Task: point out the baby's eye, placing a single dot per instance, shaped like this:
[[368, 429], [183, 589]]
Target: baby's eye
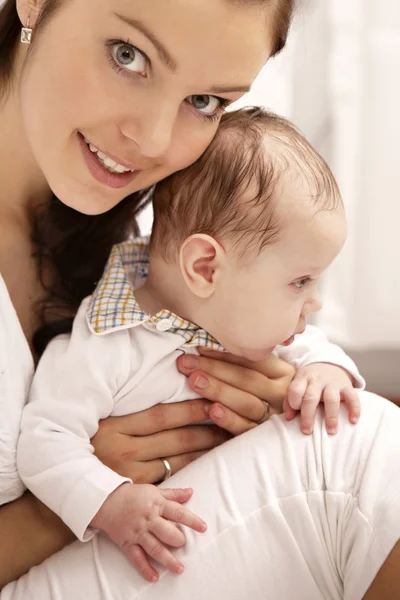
[[301, 283], [129, 57]]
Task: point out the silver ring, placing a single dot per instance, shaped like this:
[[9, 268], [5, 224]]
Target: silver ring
[[267, 413], [168, 470]]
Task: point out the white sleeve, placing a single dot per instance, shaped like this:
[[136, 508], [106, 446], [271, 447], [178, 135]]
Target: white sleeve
[[313, 346], [74, 387], [16, 372]]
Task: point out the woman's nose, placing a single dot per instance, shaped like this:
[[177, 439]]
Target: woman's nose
[[152, 130]]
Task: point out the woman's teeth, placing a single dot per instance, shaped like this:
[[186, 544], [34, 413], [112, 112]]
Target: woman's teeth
[[108, 162]]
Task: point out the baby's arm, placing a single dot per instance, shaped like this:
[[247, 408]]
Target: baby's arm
[[72, 390], [75, 386], [324, 373]]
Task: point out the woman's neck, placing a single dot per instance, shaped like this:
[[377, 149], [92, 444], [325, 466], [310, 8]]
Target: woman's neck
[[22, 184]]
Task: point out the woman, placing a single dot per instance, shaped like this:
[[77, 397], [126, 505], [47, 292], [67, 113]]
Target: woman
[[144, 94]]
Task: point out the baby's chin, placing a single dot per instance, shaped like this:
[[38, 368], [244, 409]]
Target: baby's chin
[[256, 355]]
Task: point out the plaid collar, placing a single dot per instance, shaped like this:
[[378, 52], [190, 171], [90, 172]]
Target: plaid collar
[[113, 305]]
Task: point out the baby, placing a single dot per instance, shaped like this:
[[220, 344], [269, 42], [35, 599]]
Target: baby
[[239, 243]]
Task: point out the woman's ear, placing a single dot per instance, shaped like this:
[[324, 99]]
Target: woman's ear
[[202, 260], [28, 11]]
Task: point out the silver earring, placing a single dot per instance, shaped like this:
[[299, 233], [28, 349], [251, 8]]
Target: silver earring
[[26, 34]]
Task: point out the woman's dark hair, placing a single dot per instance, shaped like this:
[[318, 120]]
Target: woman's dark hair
[[71, 246]]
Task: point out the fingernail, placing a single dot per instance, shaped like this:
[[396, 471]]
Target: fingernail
[[207, 408], [180, 569], [354, 420], [331, 430], [218, 412], [190, 362], [201, 382], [204, 527], [154, 578], [306, 430]]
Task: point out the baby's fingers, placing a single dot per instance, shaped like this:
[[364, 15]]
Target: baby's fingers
[[311, 399], [288, 411], [296, 392], [179, 514], [176, 494], [168, 533], [352, 399], [159, 552], [331, 399], [139, 559]]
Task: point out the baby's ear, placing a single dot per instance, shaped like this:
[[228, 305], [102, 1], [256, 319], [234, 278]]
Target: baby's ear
[[202, 260]]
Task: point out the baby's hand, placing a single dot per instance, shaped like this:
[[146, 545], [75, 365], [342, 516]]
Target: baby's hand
[[140, 519], [321, 382]]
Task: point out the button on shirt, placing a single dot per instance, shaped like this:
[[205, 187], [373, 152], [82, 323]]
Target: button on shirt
[[117, 360]]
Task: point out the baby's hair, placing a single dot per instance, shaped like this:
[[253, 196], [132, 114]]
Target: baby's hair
[[231, 191]]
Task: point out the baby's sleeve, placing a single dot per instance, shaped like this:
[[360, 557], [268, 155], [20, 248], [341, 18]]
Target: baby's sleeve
[[313, 346], [74, 387]]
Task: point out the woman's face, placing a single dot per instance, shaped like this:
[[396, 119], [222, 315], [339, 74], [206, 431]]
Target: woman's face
[[143, 82]]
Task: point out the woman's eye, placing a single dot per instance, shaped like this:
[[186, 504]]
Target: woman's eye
[[129, 57], [206, 104]]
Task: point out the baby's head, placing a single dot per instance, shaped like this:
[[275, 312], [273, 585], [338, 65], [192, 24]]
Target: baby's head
[[252, 224]]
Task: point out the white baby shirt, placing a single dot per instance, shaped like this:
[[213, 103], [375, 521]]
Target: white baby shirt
[[116, 361]]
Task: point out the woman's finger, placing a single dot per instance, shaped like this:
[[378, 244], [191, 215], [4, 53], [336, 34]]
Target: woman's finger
[[159, 552], [168, 533], [185, 439], [229, 420], [245, 403], [159, 418], [153, 471], [140, 560], [211, 373], [272, 366], [352, 399]]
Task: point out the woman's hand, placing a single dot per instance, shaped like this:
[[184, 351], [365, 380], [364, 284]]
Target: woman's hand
[[134, 445], [237, 388]]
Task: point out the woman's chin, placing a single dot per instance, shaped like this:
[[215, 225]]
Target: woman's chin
[[85, 202]]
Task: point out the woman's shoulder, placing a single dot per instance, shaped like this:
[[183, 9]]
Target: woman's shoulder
[[16, 372]]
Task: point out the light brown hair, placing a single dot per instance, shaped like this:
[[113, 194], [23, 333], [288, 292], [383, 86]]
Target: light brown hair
[[231, 191]]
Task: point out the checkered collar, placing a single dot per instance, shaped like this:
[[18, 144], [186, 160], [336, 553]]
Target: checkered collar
[[113, 305]]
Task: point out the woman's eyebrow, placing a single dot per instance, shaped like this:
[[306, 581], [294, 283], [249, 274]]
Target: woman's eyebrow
[[167, 59], [229, 88], [163, 53]]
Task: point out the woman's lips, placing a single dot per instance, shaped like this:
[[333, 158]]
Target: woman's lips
[[100, 172]]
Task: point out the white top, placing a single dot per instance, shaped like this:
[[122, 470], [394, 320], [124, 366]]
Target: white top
[[16, 371], [289, 516], [127, 367]]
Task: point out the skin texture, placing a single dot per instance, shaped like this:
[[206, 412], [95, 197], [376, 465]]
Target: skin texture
[[63, 84], [251, 304]]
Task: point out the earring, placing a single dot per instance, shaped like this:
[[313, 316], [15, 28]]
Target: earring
[[26, 34]]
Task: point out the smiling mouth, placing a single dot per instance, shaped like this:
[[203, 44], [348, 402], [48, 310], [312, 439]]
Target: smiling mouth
[[107, 169], [107, 161]]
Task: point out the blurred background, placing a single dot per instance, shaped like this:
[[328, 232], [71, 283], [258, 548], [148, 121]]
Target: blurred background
[[339, 81]]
